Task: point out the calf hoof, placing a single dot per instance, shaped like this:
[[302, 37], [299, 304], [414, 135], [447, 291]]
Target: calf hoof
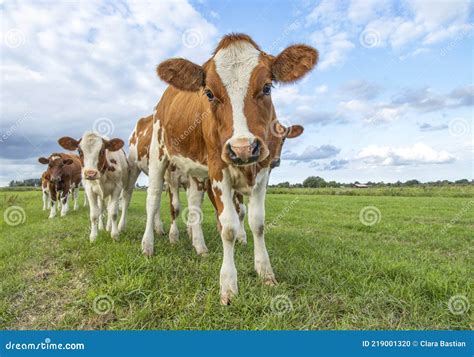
[[202, 251], [147, 249], [63, 214], [226, 297], [174, 236], [51, 216], [115, 237], [242, 237], [270, 281], [92, 239], [160, 230]]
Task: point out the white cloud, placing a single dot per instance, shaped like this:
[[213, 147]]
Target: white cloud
[[74, 62], [314, 153], [418, 154], [333, 45]]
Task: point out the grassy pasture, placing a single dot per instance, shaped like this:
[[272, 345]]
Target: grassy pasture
[[334, 272]]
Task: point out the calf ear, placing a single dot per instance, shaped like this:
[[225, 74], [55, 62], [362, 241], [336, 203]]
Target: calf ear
[[294, 131], [68, 143], [294, 62], [67, 161], [43, 160], [182, 74], [114, 144]]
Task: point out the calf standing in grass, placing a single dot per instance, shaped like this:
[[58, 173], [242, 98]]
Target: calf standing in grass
[[105, 172], [45, 190], [64, 172], [231, 93]]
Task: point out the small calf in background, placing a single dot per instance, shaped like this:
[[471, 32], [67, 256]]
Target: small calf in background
[[64, 172], [45, 190], [105, 173]]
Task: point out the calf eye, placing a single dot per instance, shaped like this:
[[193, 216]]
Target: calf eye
[[267, 89], [209, 95]]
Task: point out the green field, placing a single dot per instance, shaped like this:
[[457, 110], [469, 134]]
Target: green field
[[411, 270]]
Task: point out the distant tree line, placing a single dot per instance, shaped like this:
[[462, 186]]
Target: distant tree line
[[316, 181], [27, 182]]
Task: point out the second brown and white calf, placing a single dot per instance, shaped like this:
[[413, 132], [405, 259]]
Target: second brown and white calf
[[105, 173]]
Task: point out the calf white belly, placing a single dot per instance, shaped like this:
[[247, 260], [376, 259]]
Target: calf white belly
[[190, 167]]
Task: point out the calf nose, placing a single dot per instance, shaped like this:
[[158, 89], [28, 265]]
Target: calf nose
[[55, 179], [90, 174], [244, 151]]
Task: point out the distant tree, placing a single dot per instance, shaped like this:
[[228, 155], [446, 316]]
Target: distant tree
[[411, 183], [314, 181], [462, 182], [285, 184]]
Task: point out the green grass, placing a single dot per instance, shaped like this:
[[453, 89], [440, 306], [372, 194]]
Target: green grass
[[338, 273]]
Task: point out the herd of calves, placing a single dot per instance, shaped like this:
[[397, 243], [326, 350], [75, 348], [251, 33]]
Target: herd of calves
[[214, 130]]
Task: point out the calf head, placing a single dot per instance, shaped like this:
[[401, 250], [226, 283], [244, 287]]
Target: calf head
[[56, 166], [237, 82], [278, 134], [92, 149]]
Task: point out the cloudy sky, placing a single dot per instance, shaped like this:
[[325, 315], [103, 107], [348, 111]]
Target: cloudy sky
[[391, 99]]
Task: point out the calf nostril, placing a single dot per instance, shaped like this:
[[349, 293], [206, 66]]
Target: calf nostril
[[256, 148]]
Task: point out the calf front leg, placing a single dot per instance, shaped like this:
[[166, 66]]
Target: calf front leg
[[195, 194], [112, 212], [257, 225], [95, 213], [45, 199], [241, 210], [65, 201], [54, 197], [75, 194], [156, 173], [229, 219], [173, 190]]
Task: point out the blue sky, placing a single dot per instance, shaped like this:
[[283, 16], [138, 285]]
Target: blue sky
[[391, 98]]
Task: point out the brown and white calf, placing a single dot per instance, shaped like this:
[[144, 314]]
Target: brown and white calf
[[105, 173], [139, 156], [64, 172], [45, 190], [213, 122]]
